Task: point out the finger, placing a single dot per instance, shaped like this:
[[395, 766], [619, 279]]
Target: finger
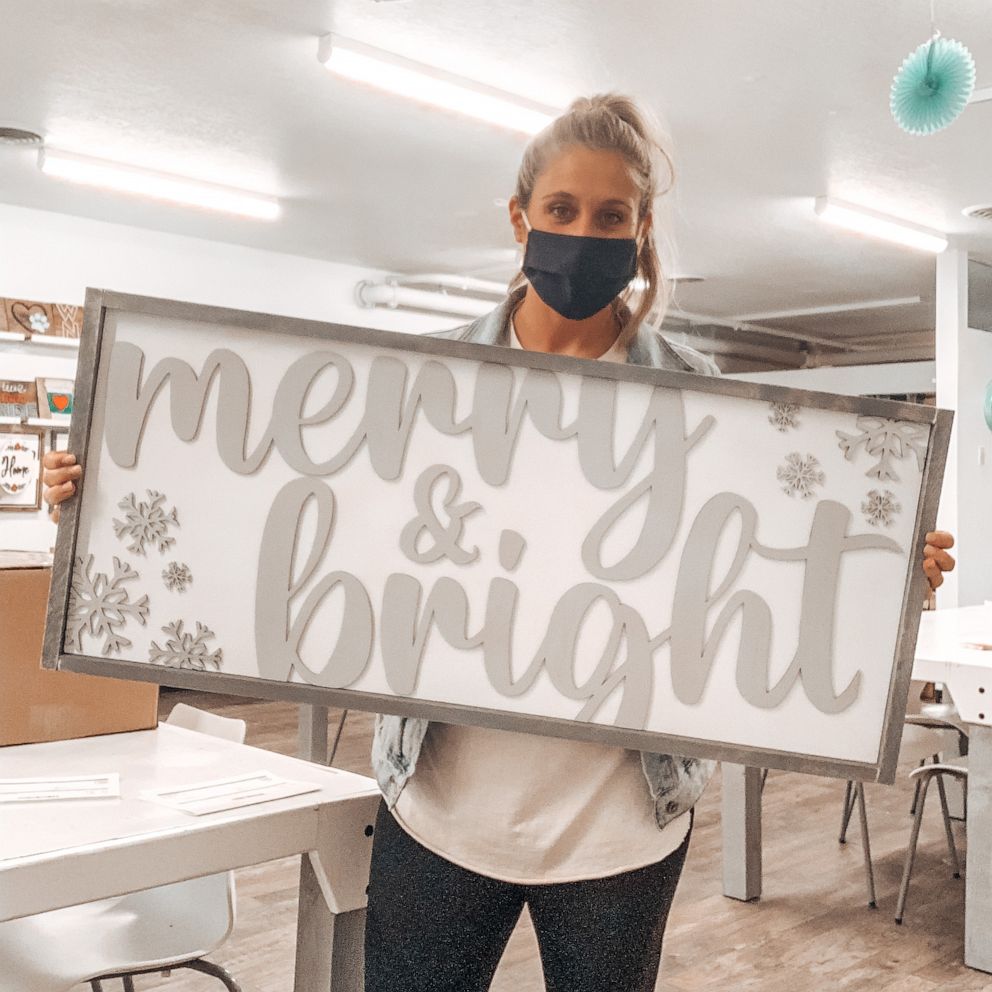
[[940, 539], [942, 558], [54, 513], [58, 476], [935, 577], [58, 494], [933, 573], [58, 459]]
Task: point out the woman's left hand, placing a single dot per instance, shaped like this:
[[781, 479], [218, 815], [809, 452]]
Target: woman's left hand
[[936, 560]]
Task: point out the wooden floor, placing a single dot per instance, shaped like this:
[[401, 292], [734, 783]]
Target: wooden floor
[[812, 929]]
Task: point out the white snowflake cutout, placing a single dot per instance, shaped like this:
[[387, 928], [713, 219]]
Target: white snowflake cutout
[[800, 473], [888, 441], [146, 523], [782, 416], [880, 508], [185, 650], [102, 607], [177, 576]]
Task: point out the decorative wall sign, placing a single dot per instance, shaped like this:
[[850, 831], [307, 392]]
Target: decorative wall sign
[[28, 316], [18, 398], [21, 450], [68, 321], [475, 534], [61, 320], [55, 399]]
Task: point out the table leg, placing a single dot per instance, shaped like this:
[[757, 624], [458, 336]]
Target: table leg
[[741, 825], [330, 951], [978, 875], [312, 743]]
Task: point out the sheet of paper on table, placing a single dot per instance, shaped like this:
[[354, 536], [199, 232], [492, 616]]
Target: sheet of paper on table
[[36, 790], [229, 793]]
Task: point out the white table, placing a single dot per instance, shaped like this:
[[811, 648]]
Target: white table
[[967, 674], [57, 855]]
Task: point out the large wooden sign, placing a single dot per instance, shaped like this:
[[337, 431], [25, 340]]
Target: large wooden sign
[[288, 509]]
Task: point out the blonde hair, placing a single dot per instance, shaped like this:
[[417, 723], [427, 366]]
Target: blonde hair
[[610, 122]]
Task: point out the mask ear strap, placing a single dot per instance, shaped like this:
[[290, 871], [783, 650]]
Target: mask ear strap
[[523, 213]]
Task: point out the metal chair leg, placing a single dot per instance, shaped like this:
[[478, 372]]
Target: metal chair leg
[[911, 850], [859, 791], [916, 791], [337, 737], [845, 819], [951, 846], [764, 778], [215, 971], [96, 986], [128, 982]]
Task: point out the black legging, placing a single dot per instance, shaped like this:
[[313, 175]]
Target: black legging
[[435, 927]]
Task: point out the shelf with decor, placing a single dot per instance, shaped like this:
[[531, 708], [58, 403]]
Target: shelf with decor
[[49, 425], [50, 341]]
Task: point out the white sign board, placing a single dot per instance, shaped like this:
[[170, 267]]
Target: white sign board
[[475, 534]]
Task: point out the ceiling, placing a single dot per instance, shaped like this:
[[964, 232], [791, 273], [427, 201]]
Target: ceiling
[[769, 104]]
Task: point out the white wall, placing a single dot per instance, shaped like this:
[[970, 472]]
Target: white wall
[[973, 444], [53, 258], [964, 368]]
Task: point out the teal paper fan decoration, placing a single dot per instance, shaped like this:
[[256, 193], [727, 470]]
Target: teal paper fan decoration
[[932, 86]]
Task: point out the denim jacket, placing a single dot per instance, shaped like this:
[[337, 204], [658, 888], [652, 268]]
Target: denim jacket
[[675, 783]]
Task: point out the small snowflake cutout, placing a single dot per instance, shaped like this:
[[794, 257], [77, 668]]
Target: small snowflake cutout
[[186, 650], [146, 523], [782, 416], [177, 576], [38, 322], [101, 606], [880, 508], [800, 473]]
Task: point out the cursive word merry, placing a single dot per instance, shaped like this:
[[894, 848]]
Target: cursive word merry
[[500, 404]]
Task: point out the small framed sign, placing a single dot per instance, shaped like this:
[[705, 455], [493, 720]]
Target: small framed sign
[[55, 399], [18, 398], [408, 524], [21, 451]]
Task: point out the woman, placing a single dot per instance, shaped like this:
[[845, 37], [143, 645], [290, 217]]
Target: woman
[[591, 838]]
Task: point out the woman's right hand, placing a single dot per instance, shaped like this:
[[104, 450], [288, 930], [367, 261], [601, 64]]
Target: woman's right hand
[[60, 478]]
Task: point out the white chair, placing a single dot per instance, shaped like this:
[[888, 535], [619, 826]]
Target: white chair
[[924, 775], [924, 738], [160, 929]]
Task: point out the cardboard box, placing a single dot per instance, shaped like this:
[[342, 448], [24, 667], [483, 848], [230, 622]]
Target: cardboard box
[[38, 705]]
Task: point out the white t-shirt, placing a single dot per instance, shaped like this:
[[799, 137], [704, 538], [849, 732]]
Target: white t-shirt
[[530, 809]]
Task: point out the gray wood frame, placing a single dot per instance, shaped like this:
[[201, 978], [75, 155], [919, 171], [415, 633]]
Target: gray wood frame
[[100, 302]]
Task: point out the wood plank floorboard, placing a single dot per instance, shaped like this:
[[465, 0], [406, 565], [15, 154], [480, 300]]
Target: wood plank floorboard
[[812, 930]]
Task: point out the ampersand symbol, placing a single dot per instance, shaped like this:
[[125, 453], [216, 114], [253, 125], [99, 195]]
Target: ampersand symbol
[[446, 536]]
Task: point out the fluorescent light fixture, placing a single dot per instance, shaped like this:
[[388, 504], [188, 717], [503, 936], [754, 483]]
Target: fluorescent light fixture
[[425, 84], [878, 225], [388, 294], [175, 189]]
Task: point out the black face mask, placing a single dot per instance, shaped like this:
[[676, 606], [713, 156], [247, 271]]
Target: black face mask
[[578, 275]]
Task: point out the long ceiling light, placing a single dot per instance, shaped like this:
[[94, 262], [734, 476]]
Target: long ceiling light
[[426, 84], [159, 186], [370, 294], [878, 225]]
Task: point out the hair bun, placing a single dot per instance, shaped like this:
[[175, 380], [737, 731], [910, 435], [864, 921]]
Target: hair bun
[[623, 108]]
